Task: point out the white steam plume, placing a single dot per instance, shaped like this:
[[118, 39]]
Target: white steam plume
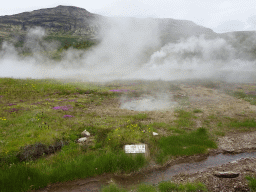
[[125, 52]]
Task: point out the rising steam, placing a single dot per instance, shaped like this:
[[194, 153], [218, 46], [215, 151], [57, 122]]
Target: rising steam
[[131, 49]]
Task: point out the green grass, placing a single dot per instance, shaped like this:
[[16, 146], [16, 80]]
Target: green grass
[[113, 188], [64, 168], [246, 123], [170, 186], [140, 116], [197, 111], [252, 183], [146, 188], [168, 127], [247, 97], [191, 143], [34, 112], [165, 186], [220, 133], [185, 119]]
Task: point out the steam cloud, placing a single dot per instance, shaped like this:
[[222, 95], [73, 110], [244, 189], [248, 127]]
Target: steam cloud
[[131, 49], [125, 52]]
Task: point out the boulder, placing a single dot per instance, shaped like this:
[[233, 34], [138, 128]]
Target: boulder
[[228, 174], [85, 133]]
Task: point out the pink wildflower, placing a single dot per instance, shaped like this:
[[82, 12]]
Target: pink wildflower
[[65, 116]]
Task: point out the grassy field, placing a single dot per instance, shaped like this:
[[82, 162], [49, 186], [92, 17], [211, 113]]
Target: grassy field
[[41, 120]]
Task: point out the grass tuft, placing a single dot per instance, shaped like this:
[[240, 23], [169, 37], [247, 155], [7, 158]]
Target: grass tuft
[[252, 183], [167, 186], [184, 119], [247, 123], [195, 142], [112, 188], [197, 111]]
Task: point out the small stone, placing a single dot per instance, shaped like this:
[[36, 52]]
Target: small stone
[[82, 140], [111, 181], [154, 133], [85, 133]]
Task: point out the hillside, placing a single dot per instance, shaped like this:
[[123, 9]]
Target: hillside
[[70, 20], [59, 19]]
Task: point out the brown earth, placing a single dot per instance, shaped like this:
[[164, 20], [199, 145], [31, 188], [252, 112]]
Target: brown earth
[[212, 101]]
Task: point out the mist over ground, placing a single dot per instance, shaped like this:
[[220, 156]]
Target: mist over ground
[[131, 49]]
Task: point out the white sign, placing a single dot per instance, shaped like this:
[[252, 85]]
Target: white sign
[[135, 148]]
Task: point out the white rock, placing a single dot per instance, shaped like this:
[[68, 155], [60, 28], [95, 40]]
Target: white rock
[[82, 140], [154, 133], [85, 133]]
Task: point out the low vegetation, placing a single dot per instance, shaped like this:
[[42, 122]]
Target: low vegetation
[[195, 142], [41, 121], [250, 96], [165, 186], [252, 183]]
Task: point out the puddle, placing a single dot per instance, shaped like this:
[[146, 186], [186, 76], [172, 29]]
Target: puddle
[[167, 173]]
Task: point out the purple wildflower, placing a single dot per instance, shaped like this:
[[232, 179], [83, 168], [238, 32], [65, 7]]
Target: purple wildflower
[[64, 108], [65, 116], [10, 104], [14, 110], [1, 96]]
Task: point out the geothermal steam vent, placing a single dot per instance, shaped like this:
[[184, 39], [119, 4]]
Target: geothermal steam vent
[[146, 102]]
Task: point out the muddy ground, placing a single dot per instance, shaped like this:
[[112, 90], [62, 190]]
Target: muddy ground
[[212, 99]]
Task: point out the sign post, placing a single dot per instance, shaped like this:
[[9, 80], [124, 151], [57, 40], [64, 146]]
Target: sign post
[[137, 148]]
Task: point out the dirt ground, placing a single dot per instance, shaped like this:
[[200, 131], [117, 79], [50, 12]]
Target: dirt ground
[[212, 101]]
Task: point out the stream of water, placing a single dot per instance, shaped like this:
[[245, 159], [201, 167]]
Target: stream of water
[[167, 173]]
